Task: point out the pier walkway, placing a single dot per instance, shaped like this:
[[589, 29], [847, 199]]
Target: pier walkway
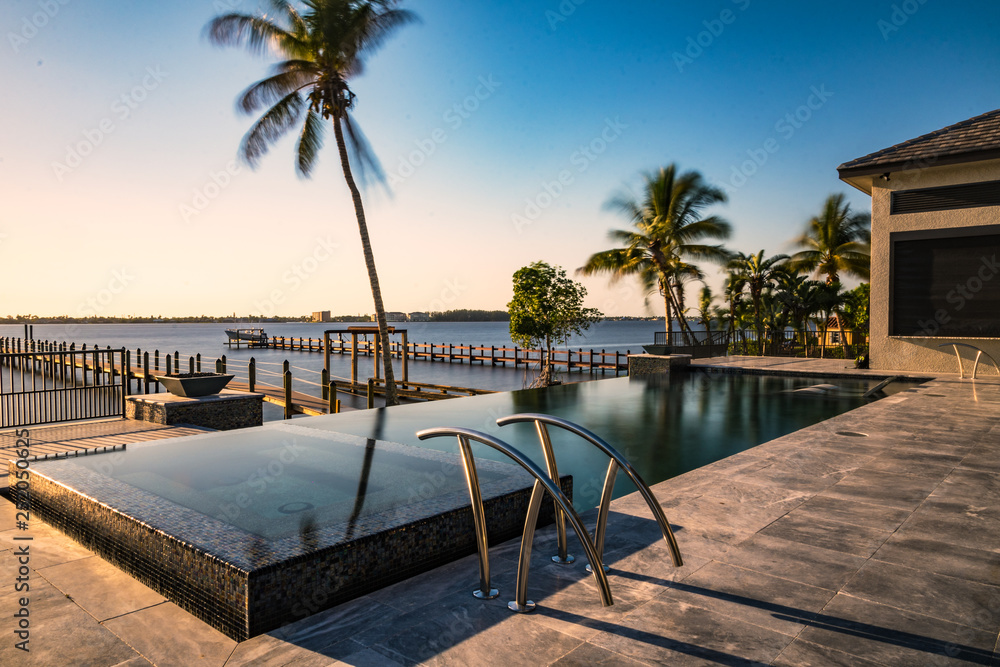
[[867, 539]]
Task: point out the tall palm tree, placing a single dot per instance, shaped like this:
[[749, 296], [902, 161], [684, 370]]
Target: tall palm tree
[[754, 274], [321, 48], [836, 241], [668, 229]]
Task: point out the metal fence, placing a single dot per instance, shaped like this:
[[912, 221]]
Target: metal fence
[[830, 344], [42, 387]]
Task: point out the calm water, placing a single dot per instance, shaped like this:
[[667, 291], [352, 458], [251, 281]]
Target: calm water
[[209, 340], [663, 426]]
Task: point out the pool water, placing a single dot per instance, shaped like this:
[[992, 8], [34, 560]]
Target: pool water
[[664, 425], [275, 480]]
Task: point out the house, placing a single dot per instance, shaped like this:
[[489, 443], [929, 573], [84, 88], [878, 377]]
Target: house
[[321, 316], [935, 245]]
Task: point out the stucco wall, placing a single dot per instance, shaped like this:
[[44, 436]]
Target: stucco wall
[[913, 353]]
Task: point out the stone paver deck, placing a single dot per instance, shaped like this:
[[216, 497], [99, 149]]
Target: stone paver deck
[[823, 547]]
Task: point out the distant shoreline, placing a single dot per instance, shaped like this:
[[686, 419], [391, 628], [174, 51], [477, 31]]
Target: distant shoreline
[[245, 320]]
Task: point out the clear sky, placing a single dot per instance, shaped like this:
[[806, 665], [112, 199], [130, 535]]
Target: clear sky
[[120, 193]]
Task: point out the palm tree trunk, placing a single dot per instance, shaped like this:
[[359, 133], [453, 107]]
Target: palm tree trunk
[[383, 329], [669, 322]]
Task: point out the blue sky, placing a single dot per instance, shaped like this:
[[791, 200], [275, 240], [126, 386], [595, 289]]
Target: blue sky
[[503, 126]]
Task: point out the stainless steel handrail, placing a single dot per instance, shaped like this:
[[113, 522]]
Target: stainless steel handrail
[[542, 484], [975, 367], [617, 461]]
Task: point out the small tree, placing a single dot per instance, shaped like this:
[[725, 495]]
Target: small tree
[[547, 308]]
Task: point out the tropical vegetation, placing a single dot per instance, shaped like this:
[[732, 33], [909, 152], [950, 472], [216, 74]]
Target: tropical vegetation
[[669, 230], [777, 304], [322, 45], [547, 308]]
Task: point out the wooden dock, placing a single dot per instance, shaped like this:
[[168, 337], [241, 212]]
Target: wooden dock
[[580, 359]]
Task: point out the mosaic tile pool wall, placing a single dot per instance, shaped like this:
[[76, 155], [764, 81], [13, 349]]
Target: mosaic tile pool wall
[[244, 583]]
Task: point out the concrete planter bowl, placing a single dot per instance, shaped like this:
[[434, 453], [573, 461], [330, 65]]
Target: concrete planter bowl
[[192, 385]]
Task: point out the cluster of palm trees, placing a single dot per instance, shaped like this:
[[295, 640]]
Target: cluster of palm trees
[[765, 298]]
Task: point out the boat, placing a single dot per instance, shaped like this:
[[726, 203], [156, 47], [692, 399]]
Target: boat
[[250, 336]]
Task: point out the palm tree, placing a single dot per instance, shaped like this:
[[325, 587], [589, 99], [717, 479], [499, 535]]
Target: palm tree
[[668, 229], [836, 241], [322, 48], [755, 274]]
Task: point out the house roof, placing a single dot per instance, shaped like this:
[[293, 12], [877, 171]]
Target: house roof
[[971, 140]]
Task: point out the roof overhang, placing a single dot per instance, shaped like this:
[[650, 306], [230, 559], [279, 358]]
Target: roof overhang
[[862, 176]]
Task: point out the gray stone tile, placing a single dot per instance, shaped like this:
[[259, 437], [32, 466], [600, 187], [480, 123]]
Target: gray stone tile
[[589, 655], [883, 488], [750, 597], [48, 545], [796, 561], [933, 465], [677, 633], [648, 568], [100, 588], [927, 593], [971, 487], [892, 636], [61, 633], [166, 634], [942, 558], [984, 457], [496, 635], [806, 654], [827, 534], [328, 627], [856, 513], [956, 523]]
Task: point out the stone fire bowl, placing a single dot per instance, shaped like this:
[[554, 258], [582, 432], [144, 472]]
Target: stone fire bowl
[[192, 385]]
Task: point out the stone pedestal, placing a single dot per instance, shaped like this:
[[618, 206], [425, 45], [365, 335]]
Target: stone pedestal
[[655, 364], [223, 411]]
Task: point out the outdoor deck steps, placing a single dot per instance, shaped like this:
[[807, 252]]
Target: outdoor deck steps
[[89, 438]]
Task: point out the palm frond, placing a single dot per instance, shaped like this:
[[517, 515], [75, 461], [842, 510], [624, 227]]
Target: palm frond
[[270, 127], [368, 167], [258, 34], [268, 91], [309, 143]]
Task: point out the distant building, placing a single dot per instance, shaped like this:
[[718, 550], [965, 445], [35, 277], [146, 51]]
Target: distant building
[[321, 316], [420, 317], [395, 316]]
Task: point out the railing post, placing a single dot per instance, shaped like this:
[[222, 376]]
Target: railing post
[[223, 363], [331, 393], [169, 358], [371, 393], [177, 361], [191, 365], [288, 394], [198, 361], [325, 382], [156, 359], [145, 372], [252, 374], [218, 365]]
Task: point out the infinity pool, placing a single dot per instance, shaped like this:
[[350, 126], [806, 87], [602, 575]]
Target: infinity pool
[[664, 425], [238, 527]]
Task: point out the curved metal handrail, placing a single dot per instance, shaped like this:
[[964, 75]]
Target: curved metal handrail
[[541, 485], [617, 461], [975, 367]]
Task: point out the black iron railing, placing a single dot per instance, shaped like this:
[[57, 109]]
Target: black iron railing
[[42, 387]]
